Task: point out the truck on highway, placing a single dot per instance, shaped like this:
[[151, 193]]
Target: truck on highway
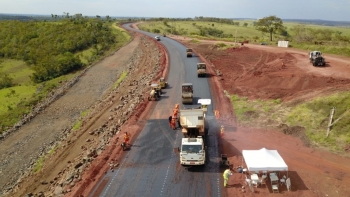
[[189, 52], [187, 93], [201, 69], [192, 152], [193, 149]]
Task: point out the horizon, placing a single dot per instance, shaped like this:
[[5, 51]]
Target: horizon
[[284, 9], [49, 15]]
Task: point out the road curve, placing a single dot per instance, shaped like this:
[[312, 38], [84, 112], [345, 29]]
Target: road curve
[[151, 167]]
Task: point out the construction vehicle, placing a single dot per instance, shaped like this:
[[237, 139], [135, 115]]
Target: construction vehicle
[[201, 69], [317, 59], [192, 151], [163, 83], [187, 93], [189, 52], [192, 121], [155, 92]]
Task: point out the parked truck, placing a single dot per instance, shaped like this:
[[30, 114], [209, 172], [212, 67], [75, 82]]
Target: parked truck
[[201, 69], [187, 93], [193, 149]]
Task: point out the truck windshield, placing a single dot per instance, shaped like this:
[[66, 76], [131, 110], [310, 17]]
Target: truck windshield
[[191, 148], [186, 89]]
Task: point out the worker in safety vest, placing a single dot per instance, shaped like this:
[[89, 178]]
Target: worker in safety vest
[[126, 138], [173, 123], [226, 175], [222, 130], [217, 114]]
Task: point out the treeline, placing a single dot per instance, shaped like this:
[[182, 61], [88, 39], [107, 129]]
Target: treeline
[[196, 18], [49, 47]]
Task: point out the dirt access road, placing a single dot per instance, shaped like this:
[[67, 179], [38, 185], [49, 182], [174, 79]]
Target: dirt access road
[[86, 154]]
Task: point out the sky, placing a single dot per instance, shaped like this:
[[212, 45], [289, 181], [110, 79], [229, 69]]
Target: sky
[[334, 10]]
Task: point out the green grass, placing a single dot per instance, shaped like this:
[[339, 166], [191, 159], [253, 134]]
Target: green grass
[[18, 100], [85, 55], [39, 164], [17, 70], [312, 115], [120, 79], [79, 122], [11, 97]]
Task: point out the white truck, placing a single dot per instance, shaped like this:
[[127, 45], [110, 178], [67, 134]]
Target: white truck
[[192, 151], [192, 121]]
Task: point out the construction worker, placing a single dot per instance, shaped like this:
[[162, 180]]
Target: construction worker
[[217, 114], [226, 175], [170, 118], [222, 130], [126, 138], [173, 123]]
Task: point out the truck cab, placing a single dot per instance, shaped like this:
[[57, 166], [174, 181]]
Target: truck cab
[[192, 151], [187, 93]]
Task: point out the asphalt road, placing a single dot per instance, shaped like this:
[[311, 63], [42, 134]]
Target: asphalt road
[[151, 166]]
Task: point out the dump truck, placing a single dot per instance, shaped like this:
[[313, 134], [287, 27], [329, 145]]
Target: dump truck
[[192, 122], [316, 58], [189, 52], [193, 149], [187, 93], [201, 69]]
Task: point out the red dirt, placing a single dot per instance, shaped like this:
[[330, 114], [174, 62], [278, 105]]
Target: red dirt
[[256, 72]]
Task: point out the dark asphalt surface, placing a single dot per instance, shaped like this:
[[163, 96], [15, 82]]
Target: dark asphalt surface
[[151, 167]]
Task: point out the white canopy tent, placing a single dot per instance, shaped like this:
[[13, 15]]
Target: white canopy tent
[[264, 160]]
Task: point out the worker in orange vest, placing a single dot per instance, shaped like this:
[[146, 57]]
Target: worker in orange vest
[[173, 123], [126, 138], [217, 114], [222, 130]]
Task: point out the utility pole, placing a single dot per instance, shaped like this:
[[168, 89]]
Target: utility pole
[[235, 36]]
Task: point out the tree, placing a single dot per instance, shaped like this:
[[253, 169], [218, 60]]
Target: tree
[[270, 24]]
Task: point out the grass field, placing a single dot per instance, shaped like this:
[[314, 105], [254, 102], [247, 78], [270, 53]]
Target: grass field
[[18, 100], [312, 115], [241, 33]]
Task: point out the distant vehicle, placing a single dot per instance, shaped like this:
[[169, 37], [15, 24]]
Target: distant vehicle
[[201, 69], [263, 43], [157, 38], [316, 58], [187, 93], [189, 52]]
